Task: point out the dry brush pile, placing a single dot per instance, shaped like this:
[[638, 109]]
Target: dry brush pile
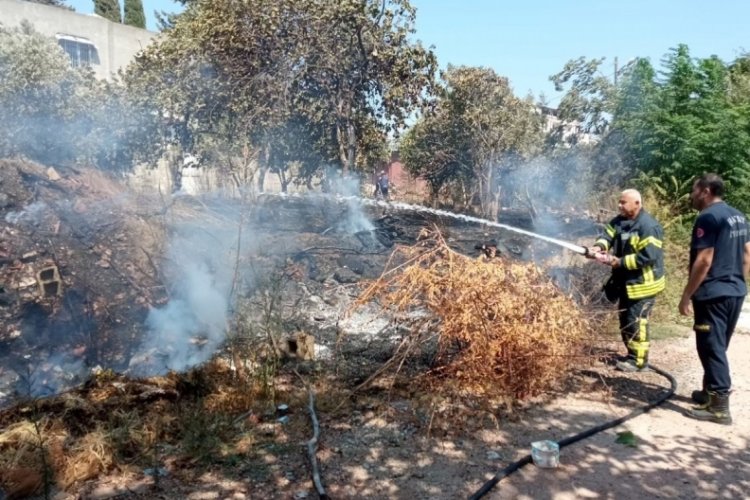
[[498, 327]]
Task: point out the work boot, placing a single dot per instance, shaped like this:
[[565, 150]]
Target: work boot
[[716, 410], [630, 366], [700, 397]]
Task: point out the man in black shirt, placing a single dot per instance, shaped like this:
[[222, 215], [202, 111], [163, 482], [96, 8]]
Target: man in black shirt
[[719, 262]]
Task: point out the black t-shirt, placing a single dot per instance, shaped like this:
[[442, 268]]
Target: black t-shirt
[[724, 229]]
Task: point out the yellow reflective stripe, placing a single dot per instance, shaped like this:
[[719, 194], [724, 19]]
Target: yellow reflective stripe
[[634, 241], [649, 240], [643, 290], [603, 243], [609, 230], [648, 275], [641, 351], [630, 262], [643, 329]]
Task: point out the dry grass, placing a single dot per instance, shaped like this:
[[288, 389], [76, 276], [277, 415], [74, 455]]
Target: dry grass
[[501, 328], [114, 422]]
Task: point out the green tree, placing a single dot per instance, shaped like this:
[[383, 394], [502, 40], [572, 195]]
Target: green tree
[[108, 9], [56, 114], [41, 97], [134, 15], [237, 76], [476, 128], [668, 127], [588, 94]]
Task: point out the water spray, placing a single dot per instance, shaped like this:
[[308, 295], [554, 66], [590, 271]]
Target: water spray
[[581, 250], [468, 218]]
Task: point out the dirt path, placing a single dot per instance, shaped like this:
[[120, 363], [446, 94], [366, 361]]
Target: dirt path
[[676, 457]]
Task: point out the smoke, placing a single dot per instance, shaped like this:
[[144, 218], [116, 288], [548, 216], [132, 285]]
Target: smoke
[[349, 187], [189, 329], [31, 213], [39, 378]]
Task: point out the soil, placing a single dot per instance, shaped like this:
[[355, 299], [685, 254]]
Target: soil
[[388, 452]]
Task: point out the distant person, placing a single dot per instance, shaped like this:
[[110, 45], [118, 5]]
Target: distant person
[[719, 263], [381, 185], [635, 241]]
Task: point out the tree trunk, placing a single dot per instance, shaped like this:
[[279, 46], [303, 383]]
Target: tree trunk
[[263, 158], [486, 194], [283, 180], [351, 147]]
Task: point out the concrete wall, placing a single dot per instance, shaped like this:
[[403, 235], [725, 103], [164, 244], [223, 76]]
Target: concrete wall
[[117, 44]]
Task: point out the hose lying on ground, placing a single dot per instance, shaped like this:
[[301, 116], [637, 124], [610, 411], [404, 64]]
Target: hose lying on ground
[[510, 469]]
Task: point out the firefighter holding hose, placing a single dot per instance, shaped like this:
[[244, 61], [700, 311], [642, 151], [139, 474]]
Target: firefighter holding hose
[[632, 245]]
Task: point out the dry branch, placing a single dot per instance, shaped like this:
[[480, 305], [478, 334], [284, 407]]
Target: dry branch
[[503, 328]]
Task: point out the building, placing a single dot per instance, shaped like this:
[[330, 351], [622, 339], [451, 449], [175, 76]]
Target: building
[[88, 39], [571, 132], [404, 186]]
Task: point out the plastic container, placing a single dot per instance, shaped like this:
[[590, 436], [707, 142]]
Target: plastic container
[[545, 454]]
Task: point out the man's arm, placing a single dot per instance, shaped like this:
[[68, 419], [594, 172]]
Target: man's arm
[[746, 261], [702, 264], [645, 252]]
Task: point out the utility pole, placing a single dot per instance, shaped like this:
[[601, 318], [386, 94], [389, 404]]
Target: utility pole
[[616, 71]]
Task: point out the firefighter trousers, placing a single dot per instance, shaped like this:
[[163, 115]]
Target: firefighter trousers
[[715, 321], [634, 328]]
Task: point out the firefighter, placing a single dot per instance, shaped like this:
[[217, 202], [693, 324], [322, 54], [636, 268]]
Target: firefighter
[[632, 245], [719, 262], [381, 185]]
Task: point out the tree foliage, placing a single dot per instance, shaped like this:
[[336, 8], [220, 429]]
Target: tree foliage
[[57, 114], [279, 78], [40, 94], [473, 131], [108, 9], [667, 127], [134, 15]]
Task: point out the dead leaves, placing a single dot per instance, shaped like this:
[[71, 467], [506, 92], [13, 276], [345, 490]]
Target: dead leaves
[[502, 327]]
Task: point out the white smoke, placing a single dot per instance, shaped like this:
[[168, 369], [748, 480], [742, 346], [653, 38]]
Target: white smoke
[[350, 187], [31, 213], [189, 329]]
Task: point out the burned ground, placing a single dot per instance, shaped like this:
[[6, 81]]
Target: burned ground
[[85, 264]]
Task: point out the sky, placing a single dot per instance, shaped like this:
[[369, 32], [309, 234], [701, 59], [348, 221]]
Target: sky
[[529, 40]]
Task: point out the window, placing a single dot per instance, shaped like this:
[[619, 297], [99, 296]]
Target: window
[[82, 52]]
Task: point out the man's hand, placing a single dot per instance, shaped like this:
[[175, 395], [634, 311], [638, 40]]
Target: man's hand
[[603, 258], [685, 307], [615, 262], [591, 252]]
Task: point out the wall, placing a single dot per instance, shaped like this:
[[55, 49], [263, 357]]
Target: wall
[[117, 44]]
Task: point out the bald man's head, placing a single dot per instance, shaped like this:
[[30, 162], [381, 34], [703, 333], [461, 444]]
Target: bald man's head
[[630, 203]]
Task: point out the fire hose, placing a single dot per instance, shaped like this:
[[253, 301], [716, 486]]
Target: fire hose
[[513, 467]]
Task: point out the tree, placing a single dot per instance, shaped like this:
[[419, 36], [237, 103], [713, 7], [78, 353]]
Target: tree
[[243, 74], [476, 126], [134, 15], [56, 114], [668, 127], [588, 97], [108, 9], [40, 97]]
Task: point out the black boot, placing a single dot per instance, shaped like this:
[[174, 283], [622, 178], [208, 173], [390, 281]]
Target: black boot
[[700, 397], [715, 410]]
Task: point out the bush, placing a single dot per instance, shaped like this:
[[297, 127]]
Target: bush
[[502, 327]]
